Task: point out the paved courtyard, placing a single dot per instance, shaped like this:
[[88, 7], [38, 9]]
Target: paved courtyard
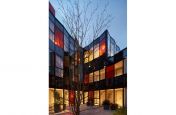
[[85, 110]]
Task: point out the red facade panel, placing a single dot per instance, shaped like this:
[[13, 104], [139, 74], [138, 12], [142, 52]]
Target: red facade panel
[[110, 71]]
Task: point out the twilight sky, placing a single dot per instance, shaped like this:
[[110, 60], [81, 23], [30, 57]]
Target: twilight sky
[[118, 26]]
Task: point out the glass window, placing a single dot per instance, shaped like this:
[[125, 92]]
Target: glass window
[[90, 77], [91, 54], [110, 71], [85, 97], [110, 95], [102, 96], [86, 56], [51, 25], [119, 68], [96, 76], [66, 100], [59, 96], [66, 43], [51, 36], [59, 39], [59, 62], [59, 72], [96, 97], [125, 66], [102, 74], [96, 51], [102, 47], [119, 97], [51, 99]]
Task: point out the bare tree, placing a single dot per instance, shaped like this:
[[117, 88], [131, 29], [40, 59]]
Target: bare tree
[[83, 22]]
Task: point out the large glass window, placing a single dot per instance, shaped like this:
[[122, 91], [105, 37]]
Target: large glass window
[[96, 51], [110, 71], [59, 97], [66, 43], [90, 77], [51, 36], [96, 76], [66, 97], [59, 62], [119, 97], [86, 56], [102, 96], [51, 99], [51, 25], [91, 54], [85, 97], [125, 66], [58, 72], [119, 68], [59, 39], [96, 97], [102, 47], [102, 74], [110, 95]]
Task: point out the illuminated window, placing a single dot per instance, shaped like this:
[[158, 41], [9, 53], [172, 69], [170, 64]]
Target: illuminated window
[[96, 51], [96, 76], [91, 54], [59, 39], [110, 71], [102, 47], [85, 97], [86, 56], [119, 68], [125, 66], [90, 77], [96, 97], [110, 95], [102, 96], [102, 74], [66, 97], [119, 97]]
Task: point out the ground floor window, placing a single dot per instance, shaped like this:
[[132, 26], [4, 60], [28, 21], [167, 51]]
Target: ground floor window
[[85, 97], [119, 97], [102, 96], [96, 97], [110, 95], [66, 97]]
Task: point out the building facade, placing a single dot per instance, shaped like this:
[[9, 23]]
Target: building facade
[[104, 68]]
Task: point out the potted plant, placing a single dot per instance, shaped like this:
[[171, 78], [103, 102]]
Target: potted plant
[[114, 106], [106, 104]]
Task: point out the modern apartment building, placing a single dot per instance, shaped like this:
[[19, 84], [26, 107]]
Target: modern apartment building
[[104, 68]]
